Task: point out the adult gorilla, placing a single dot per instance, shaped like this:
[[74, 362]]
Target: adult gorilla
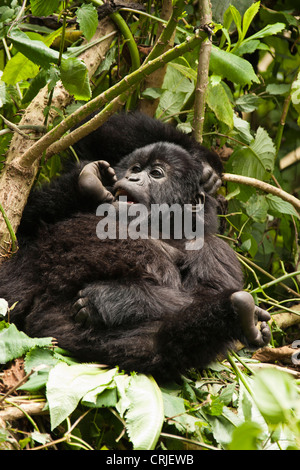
[[149, 305]]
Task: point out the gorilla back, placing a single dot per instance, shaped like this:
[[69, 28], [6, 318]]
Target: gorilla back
[[144, 304]]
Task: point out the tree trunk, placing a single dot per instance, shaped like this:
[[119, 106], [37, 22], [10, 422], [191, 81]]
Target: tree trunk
[[17, 179]]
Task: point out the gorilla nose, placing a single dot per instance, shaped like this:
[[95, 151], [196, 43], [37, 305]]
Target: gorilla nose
[[135, 179]]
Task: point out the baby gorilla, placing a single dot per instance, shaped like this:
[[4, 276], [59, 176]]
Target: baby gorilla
[[150, 305]]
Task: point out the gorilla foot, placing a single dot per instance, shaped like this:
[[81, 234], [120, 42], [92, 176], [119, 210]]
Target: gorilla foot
[[249, 314]]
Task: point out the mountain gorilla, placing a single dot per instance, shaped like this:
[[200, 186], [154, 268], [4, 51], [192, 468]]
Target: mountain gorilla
[[150, 305]]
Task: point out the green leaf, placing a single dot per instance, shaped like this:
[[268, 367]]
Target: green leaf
[[243, 129], [75, 78], [218, 101], [237, 19], [276, 395], [257, 208], [257, 160], [87, 18], [145, 416], [34, 50], [14, 343], [277, 205], [278, 89], [43, 8], [67, 385], [247, 436], [38, 82], [248, 17], [230, 66], [268, 30], [19, 68]]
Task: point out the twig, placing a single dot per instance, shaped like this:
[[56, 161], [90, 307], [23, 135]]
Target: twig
[[14, 412], [264, 187]]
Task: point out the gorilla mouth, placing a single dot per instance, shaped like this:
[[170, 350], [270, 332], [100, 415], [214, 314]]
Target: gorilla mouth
[[124, 193]]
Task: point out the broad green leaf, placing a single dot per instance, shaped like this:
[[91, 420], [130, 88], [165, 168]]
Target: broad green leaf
[[218, 101], [248, 16], [257, 208], [278, 205], [38, 82], [34, 50], [145, 416], [230, 66], [257, 160], [242, 127], [87, 18], [75, 78], [170, 103], [187, 72], [247, 436], [278, 89], [14, 343], [44, 8], [248, 103], [268, 30], [276, 395], [67, 385], [19, 68]]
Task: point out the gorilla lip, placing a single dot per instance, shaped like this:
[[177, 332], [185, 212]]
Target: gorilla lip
[[122, 192]]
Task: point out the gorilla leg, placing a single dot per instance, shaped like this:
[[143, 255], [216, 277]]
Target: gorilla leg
[[115, 303]]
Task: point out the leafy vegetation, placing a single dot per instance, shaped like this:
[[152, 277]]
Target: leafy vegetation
[[251, 116]]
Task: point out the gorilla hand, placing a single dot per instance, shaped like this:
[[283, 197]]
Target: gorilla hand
[[211, 181], [249, 314], [93, 179]]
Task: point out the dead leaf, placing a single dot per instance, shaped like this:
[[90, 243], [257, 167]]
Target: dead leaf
[[12, 376]]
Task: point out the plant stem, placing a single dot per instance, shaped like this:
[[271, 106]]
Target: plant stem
[[61, 50], [14, 244], [284, 113], [164, 39], [276, 281]]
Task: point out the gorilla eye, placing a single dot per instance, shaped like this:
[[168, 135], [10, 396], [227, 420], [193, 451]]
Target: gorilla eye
[[136, 168], [157, 172]]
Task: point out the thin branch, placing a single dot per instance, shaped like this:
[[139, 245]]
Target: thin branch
[[268, 188]]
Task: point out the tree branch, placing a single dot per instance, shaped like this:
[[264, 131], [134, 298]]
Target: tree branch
[[264, 187], [108, 96], [202, 75]]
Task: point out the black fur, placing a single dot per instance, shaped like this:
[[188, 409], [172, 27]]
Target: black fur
[[145, 305]]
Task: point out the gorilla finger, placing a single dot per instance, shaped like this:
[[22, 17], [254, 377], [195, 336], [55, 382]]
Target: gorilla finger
[[102, 163], [262, 315], [212, 187], [266, 333], [82, 317], [207, 173], [80, 303]]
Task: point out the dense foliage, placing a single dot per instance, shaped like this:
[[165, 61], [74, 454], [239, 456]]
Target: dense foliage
[[252, 119]]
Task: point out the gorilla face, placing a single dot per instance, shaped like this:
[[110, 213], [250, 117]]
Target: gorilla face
[[155, 175]]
